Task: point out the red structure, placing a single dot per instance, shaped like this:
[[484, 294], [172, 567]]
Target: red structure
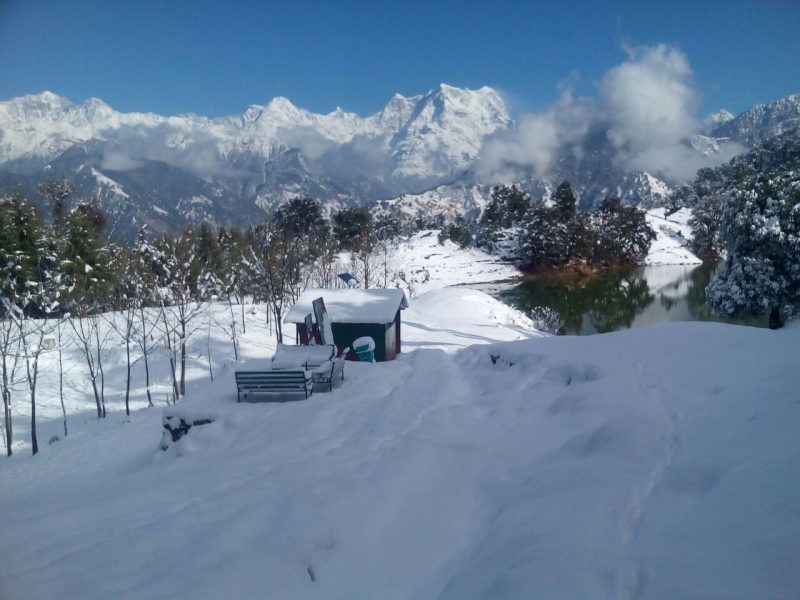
[[355, 313]]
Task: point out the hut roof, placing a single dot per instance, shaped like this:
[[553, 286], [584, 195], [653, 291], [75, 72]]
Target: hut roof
[[351, 305]]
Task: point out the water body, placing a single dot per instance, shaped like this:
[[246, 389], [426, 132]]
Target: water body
[[622, 300]]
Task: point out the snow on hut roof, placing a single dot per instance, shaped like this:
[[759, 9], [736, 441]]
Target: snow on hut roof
[[351, 305]]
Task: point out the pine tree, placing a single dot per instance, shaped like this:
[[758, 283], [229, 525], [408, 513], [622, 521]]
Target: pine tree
[[760, 231], [621, 235], [353, 229], [705, 222], [565, 202], [542, 241], [56, 192], [507, 207]]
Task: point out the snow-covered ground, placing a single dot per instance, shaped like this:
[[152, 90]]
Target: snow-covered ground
[[654, 463], [673, 235], [426, 264], [488, 461]]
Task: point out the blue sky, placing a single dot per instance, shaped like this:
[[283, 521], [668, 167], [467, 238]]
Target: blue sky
[[216, 58]]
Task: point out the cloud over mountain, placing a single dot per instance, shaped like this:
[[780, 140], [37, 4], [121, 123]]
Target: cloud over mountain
[[645, 111]]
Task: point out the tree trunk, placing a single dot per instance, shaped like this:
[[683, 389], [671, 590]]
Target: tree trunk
[[278, 327], [183, 358], [32, 383], [144, 356], [775, 321], [208, 349], [147, 380], [234, 338], [128, 380], [172, 358], [61, 381], [9, 425], [97, 398], [100, 368]]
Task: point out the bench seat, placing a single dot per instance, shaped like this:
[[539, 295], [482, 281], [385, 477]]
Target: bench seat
[[274, 383]]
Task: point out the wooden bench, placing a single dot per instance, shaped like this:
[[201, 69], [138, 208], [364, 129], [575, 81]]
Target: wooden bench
[[279, 382], [330, 370]]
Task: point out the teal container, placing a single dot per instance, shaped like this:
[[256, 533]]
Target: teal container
[[364, 347], [366, 355]]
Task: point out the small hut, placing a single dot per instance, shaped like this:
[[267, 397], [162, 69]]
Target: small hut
[[355, 313]]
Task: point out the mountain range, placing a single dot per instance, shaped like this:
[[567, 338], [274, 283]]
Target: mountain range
[[419, 155]]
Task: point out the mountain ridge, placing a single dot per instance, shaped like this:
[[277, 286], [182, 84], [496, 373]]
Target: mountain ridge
[[237, 167]]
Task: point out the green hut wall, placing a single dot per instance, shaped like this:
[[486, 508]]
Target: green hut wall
[[386, 336]]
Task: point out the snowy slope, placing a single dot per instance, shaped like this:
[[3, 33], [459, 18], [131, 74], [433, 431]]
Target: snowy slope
[[762, 121], [673, 235], [421, 263], [655, 463]]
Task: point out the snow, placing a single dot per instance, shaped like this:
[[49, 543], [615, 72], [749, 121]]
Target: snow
[[451, 318], [351, 305], [112, 185], [425, 138], [426, 264], [487, 461], [673, 235], [654, 463]]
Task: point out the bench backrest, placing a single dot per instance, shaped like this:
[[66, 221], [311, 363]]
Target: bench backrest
[[270, 379], [296, 357]]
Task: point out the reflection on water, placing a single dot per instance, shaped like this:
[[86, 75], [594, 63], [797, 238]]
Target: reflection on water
[[621, 300]]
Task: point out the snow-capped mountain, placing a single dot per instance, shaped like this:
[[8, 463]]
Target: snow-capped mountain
[[244, 164], [418, 154], [761, 121], [426, 138], [717, 119]]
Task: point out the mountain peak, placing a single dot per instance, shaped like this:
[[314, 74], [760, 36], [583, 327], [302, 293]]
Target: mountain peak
[[720, 116], [44, 99], [280, 103], [94, 107], [716, 119], [762, 121], [482, 100]]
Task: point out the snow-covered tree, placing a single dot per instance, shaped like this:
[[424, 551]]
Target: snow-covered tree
[[126, 301], [178, 283], [457, 232], [705, 221], [565, 201], [760, 231], [507, 207], [542, 239], [144, 287], [9, 352], [278, 267], [56, 192], [554, 236], [25, 292], [621, 235]]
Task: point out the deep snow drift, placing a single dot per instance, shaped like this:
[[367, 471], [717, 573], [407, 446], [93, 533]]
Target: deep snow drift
[[654, 463], [488, 461]]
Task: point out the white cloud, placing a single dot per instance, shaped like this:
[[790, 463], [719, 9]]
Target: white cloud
[[646, 109], [537, 137], [649, 103]]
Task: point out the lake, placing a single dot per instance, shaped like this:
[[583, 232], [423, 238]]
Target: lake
[[608, 302]]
